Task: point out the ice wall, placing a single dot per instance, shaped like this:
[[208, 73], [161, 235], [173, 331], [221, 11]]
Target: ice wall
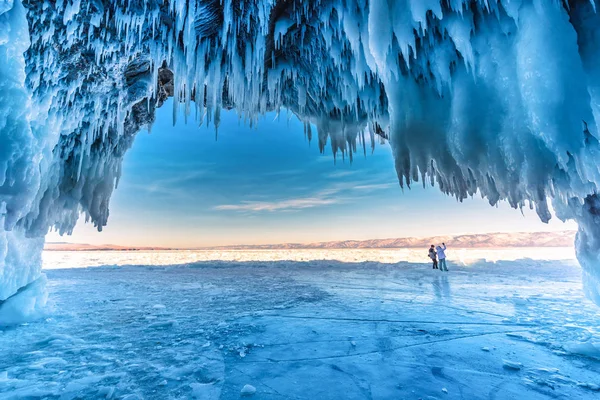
[[21, 152], [497, 98]]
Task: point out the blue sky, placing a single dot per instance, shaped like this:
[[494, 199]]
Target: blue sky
[[268, 184]]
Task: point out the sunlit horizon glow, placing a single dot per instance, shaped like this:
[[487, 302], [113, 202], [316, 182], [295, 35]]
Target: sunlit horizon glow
[[268, 185]]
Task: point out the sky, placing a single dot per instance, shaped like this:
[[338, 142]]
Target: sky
[[186, 186]]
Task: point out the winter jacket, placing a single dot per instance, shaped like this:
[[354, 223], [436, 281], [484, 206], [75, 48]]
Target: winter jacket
[[440, 252], [432, 254]]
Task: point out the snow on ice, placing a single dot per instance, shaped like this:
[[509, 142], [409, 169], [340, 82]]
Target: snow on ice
[[306, 330], [248, 390], [495, 98]]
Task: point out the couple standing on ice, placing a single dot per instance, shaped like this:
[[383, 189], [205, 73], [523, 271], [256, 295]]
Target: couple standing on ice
[[438, 252]]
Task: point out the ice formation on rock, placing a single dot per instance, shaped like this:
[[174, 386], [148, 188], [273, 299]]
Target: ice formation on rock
[[497, 98]]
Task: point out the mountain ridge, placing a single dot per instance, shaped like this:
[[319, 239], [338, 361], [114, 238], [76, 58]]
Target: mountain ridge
[[487, 240]]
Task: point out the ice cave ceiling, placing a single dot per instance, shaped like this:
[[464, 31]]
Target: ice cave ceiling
[[497, 98]]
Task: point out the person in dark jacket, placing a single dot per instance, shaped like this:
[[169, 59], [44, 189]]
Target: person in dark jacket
[[433, 256]]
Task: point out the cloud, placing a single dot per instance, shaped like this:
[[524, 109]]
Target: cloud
[[324, 197], [180, 178], [336, 194], [178, 185], [377, 186], [283, 205], [341, 174]]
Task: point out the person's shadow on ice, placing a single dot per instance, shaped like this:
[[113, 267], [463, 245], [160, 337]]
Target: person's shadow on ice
[[441, 287]]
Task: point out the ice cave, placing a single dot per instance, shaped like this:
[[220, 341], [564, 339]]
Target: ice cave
[[509, 90]]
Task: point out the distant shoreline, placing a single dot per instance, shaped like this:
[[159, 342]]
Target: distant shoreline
[[490, 240], [303, 248]]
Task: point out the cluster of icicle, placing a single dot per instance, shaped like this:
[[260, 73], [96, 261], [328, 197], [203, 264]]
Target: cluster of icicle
[[497, 98]]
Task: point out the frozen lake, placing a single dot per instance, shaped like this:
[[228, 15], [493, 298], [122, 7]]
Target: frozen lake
[[82, 259], [358, 324]]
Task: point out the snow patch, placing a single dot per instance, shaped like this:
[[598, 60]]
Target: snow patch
[[512, 364], [588, 349], [248, 390]]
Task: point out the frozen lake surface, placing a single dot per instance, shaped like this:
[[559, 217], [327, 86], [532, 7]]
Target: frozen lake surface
[[252, 325], [82, 259]]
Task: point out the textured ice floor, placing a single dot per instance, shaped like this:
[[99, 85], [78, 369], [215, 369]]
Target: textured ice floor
[[309, 330]]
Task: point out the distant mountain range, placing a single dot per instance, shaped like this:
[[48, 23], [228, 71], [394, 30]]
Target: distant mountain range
[[488, 240], [65, 246]]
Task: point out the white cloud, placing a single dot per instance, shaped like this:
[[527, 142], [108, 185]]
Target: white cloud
[[376, 186], [336, 194], [324, 197], [292, 204], [341, 174]]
